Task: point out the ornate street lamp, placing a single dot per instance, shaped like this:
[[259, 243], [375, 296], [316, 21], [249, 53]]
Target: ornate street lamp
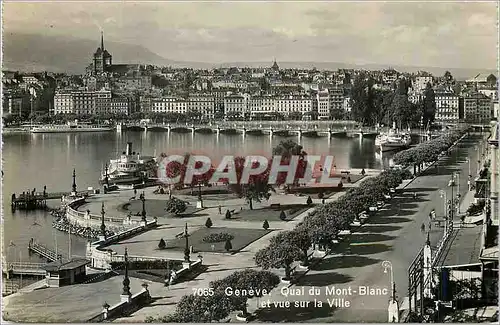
[[73, 187], [186, 248], [143, 213], [393, 302]]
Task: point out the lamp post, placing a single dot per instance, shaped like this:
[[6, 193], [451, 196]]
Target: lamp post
[[451, 202], [442, 194], [393, 310], [186, 248], [143, 213]]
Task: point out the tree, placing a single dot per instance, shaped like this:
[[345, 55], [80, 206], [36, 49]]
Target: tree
[[176, 206], [162, 244], [278, 255], [402, 111], [300, 238], [201, 308], [208, 223], [257, 187], [447, 77], [309, 200], [286, 149], [250, 280], [362, 99], [265, 225], [429, 106], [228, 214], [282, 215], [228, 246]]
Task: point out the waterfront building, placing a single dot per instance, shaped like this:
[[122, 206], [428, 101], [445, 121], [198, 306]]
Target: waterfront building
[[259, 105], [477, 108], [294, 104], [164, 105], [236, 105], [63, 103], [202, 103], [15, 102], [103, 101], [447, 107], [61, 273], [120, 105], [323, 100], [336, 102], [84, 102]]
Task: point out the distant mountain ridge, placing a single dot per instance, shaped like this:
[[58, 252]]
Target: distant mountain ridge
[[31, 52]]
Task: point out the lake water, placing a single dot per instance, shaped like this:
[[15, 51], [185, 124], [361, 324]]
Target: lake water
[[34, 160]]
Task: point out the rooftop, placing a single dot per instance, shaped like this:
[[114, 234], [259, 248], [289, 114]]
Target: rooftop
[[68, 265], [75, 303], [462, 248]]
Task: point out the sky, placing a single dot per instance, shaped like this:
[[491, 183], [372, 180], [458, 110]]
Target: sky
[[435, 34]]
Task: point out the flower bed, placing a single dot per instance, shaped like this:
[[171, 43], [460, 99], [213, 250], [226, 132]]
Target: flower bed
[[218, 237]]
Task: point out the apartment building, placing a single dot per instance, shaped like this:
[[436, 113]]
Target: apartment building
[[336, 101], [262, 105], [294, 104], [323, 99], [164, 105], [477, 108], [202, 103], [421, 82], [447, 107], [236, 105], [120, 105], [63, 103]]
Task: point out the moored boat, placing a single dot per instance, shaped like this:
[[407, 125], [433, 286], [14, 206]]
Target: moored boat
[[129, 168], [70, 128], [393, 141]]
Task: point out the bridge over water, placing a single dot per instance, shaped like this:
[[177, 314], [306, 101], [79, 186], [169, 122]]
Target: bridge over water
[[290, 128], [279, 128]]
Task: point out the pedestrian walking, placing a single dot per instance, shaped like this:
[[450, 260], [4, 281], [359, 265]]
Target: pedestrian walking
[[323, 201], [422, 228], [220, 209], [135, 191]]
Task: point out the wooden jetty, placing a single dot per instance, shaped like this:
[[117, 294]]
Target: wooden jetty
[[43, 251], [32, 200]]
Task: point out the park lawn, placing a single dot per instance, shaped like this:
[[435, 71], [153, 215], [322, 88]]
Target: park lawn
[[270, 213], [156, 208], [242, 238]]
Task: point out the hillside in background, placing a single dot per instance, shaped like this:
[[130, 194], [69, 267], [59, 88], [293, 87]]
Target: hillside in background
[[30, 52]]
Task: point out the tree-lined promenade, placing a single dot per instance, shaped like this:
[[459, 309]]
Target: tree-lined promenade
[[320, 229]]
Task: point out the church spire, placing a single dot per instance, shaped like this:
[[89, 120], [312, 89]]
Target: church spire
[[102, 41]]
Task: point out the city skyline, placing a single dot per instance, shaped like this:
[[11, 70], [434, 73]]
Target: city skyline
[[407, 34]]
